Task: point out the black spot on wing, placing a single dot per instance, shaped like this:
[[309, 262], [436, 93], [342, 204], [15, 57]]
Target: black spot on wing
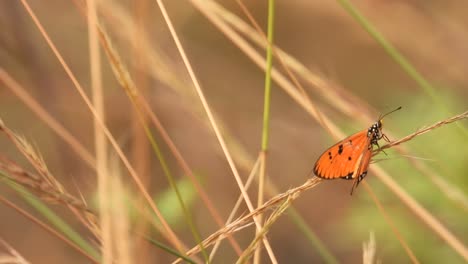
[[340, 149]]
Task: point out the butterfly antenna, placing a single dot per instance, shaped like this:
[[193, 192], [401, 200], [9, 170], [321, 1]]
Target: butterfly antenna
[[386, 114]]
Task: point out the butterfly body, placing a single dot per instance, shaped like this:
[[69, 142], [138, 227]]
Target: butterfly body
[[349, 159]]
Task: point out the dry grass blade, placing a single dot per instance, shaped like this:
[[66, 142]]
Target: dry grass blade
[[13, 257], [369, 250]]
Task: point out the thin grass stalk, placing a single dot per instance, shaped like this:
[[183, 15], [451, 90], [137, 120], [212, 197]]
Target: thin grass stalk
[[423, 131], [250, 179], [140, 150], [266, 119], [315, 241], [268, 224], [213, 122], [86, 156], [54, 219], [392, 225], [169, 249], [36, 184], [437, 227], [15, 256], [120, 216], [170, 235], [99, 137], [389, 182], [312, 237], [247, 220], [397, 57], [369, 250], [50, 230], [127, 84], [140, 101], [352, 106], [50, 121], [424, 215], [241, 156]]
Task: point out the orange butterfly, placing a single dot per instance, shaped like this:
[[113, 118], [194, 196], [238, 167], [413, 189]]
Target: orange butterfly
[[350, 158]]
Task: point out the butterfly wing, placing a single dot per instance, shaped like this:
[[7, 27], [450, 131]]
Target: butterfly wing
[[346, 159]]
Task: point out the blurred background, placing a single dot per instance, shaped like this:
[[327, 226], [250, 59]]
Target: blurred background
[[353, 70]]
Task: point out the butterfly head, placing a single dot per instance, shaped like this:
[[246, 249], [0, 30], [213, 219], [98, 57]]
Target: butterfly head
[[375, 132]]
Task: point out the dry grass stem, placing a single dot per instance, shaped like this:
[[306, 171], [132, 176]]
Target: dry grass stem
[[392, 225], [38, 186], [45, 184], [237, 205], [46, 228], [37, 109], [424, 130], [13, 256], [266, 227], [338, 97], [369, 250], [213, 123], [169, 233], [406, 199], [100, 143], [246, 220], [143, 108]]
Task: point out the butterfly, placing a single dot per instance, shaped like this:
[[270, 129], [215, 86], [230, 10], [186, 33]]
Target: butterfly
[[349, 158]]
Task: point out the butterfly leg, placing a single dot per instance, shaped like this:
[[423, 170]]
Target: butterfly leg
[[385, 138], [378, 147]]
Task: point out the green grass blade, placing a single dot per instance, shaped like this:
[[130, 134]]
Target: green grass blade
[[312, 237], [398, 58], [53, 218], [169, 249], [269, 66]]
